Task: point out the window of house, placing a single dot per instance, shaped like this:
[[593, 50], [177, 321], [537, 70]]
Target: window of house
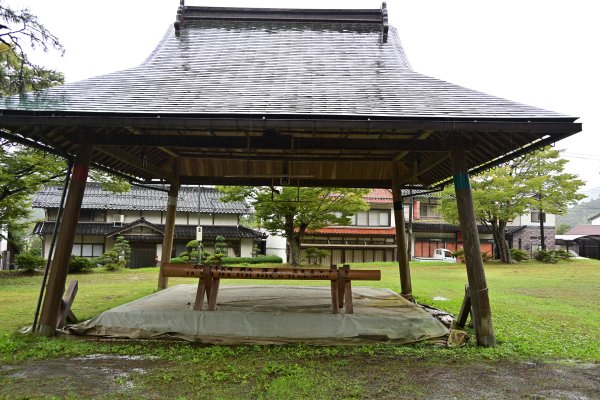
[[92, 216], [371, 218], [535, 216], [88, 249], [427, 210]]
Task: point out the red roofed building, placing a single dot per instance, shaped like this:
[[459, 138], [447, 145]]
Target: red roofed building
[[371, 237]]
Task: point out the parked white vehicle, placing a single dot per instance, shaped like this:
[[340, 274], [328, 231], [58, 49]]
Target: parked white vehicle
[[439, 255]]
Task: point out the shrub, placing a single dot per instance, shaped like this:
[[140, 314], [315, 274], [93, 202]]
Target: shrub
[[29, 262], [252, 260], [519, 255], [563, 254], [315, 256], [459, 255], [110, 260], [184, 254], [79, 264], [545, 256], [485, 256], [236, 260]]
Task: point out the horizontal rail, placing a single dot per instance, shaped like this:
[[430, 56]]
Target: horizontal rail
[[196, 271]]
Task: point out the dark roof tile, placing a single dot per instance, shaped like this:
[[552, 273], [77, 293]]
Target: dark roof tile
[[143, 198], [275, 66]]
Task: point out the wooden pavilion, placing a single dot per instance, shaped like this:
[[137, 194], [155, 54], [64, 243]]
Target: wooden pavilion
[[274, 97]]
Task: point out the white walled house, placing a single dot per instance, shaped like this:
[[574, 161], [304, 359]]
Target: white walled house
[[139, 216], [371, 237]]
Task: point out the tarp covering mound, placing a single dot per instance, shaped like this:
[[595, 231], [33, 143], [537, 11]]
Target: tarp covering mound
[[268, 314]]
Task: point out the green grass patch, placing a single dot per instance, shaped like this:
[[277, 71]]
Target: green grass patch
[[540, 311]]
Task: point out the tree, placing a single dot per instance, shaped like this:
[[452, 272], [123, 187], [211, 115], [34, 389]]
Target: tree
[[24, 170], [532, 182], [18, 74], [293, 211], [562, 229]]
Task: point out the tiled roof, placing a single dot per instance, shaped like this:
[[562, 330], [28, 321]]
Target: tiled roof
[[144, 199], [379, 196], [584, 230], [209, 232], [233, 61], [416, 227], [355, 231]]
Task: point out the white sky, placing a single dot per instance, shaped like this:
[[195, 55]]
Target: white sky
[[538, 52]]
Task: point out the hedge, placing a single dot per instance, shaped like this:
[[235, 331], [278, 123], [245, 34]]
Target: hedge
[[239, 260], [252, 260]]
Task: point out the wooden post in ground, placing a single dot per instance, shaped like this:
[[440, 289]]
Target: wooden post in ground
[[403, 261], [66, 236], [167, 245], [481, 311]]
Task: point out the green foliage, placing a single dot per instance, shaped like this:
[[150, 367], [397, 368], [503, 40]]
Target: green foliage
[[535, 181], [552, 256], [460, 255], [23, 171], [21, 29], [213, 259], [80, 264], [294, 211], [117, 257], [252, 260], [29, 262], [123, 249], [315, 255], [177, 260], [220, 246], [519, 255], [485, 256], [562, 229]]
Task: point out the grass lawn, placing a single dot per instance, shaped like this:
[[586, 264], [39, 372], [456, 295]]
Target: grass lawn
[[541, 312]]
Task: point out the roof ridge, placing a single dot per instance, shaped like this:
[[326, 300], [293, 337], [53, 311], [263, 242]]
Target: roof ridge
[[304, 15]]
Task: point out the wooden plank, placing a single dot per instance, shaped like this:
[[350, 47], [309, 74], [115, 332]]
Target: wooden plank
[[193, 270], [349, 308], [66, 303], [214, 290], [334, 289], [135, 162], [481, 313], [465, 309]]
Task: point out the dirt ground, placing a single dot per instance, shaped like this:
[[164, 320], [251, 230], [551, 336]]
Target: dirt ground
[[107, 376]]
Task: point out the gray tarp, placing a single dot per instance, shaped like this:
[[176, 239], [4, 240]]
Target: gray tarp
[[268, 314]]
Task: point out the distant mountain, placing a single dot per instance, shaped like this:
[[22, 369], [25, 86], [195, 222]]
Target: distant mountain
[[579, 214]]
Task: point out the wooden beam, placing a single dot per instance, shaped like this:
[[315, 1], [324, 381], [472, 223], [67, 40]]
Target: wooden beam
[[481, 314], [270, 142], [167, 245], [426, 165], [403, 261], [66, 236], [135, 162]]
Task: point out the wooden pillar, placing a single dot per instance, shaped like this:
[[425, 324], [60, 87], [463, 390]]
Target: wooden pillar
[[403, 261], [66, 236], [167, 245], [482, 314]]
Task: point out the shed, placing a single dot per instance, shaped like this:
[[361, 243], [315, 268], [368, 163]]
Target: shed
[[281, 96]]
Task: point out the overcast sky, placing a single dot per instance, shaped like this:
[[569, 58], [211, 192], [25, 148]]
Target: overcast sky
[[538, 52]]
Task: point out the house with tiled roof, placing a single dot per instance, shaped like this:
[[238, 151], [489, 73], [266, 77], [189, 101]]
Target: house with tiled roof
[[139, 216], [371, 236]]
